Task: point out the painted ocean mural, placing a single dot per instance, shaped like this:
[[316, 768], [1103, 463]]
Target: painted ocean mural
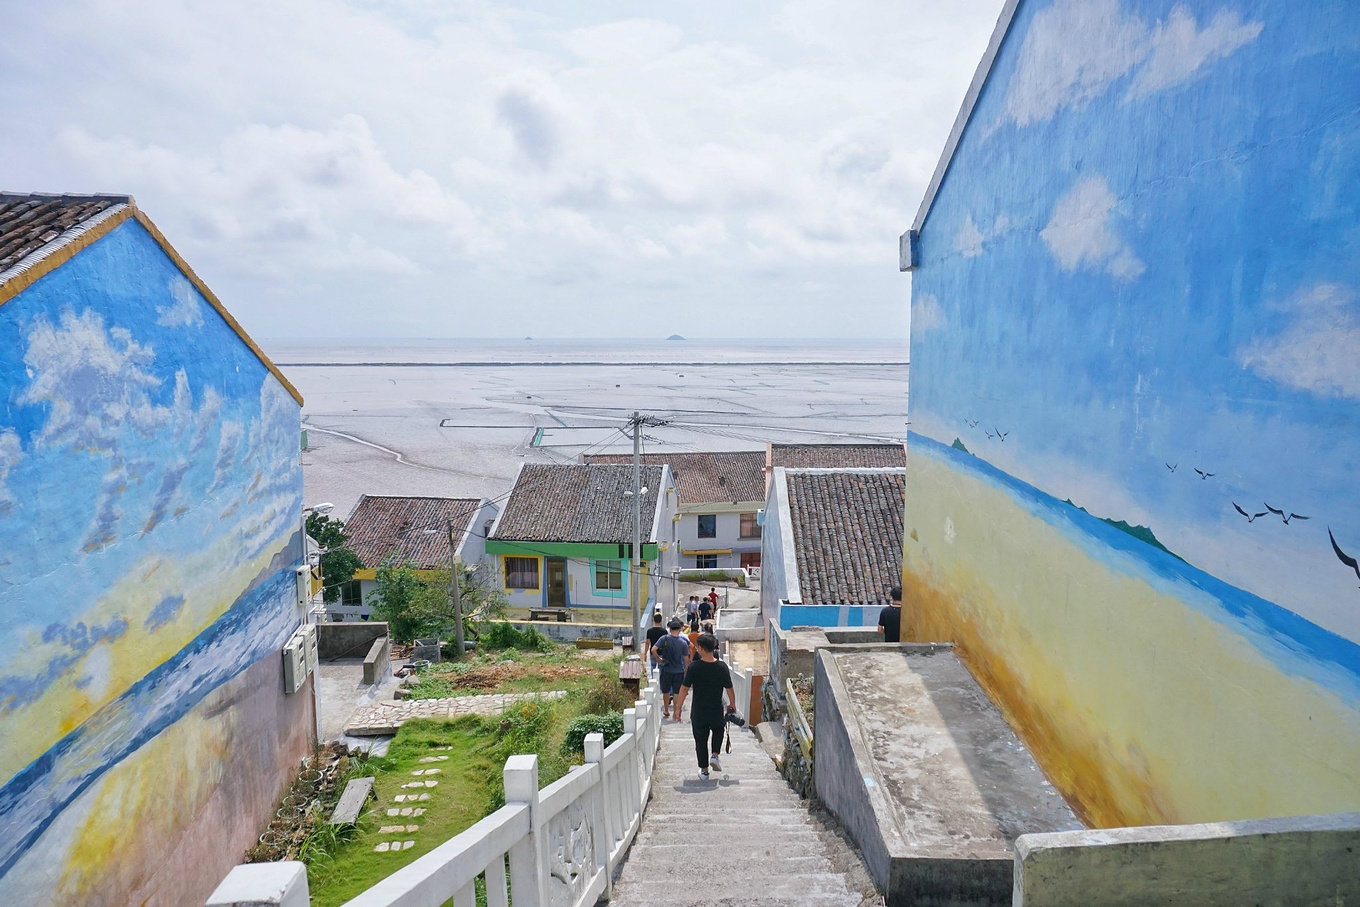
[[1136, 301], [150, 497]]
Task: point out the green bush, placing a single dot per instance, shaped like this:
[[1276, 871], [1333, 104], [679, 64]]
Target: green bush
[[507, 636], [610, 696], [610, 725]]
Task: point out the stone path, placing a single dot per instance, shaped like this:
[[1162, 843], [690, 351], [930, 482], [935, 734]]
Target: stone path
[[744, 840], [383, 718], [401, 817]]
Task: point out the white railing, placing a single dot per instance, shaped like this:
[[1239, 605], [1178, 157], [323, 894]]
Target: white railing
[[557, 846], [741, 685]]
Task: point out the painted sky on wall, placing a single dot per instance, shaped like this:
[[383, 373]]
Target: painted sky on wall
[[413, 168], [150, 479], [1139, 285]]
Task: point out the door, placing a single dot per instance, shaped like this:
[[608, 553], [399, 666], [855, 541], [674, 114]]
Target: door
[[557, 582]]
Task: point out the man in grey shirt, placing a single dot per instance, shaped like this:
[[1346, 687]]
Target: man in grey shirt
[[672, 651]]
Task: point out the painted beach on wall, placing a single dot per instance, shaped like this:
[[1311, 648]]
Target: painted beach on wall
[[1136, 403], [150, 488]]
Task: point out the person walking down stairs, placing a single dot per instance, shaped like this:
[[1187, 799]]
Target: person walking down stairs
[[710, 680]]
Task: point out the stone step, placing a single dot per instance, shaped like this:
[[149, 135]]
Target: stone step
[[826, 889], [706, 861], [790, 847]]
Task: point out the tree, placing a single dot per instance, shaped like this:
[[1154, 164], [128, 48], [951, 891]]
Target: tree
[[338, 563], [416, 603]]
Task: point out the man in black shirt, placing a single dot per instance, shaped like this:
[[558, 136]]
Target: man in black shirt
[[672, 651], [654, 633], [709, 679], [890, 618]]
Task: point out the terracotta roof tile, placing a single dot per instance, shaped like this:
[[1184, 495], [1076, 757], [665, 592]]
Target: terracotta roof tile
[[29, 222], [847, 531], [838, 456], [706, 477], [403, 530], [576, 503]]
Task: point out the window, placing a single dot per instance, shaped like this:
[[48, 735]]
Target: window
[[750, 529], [521, 573], [609, 576], [708, 525], [705, 561], [351, 594]]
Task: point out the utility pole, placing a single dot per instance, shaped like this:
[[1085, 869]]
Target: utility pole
[[456, 595], [636, 578]]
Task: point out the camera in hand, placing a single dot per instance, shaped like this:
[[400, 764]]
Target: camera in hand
[[733, 718]]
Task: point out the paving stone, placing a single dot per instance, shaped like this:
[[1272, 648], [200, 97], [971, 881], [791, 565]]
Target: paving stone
[[384, 847], [383, 718], [407, 845]]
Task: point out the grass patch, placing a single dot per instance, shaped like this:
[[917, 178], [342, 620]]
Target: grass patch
[[470, 784]]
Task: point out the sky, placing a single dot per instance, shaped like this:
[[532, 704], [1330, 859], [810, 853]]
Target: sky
[[429, 168]]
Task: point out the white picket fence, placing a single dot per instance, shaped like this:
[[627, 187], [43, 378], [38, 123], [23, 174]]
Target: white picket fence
[[557, 846]]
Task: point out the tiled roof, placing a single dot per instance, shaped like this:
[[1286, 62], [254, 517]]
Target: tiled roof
[[847, 531], [29, 222], [408, 530], [576, 503], [706, 478], [837, 456]]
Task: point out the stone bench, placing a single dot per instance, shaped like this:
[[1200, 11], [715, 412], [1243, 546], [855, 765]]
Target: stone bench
[[561, 615], [352, 801]]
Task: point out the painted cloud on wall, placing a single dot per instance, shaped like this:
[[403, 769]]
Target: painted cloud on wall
[[1076, 49], [10, 452], [1320, 350], [1080, 234], [186, 310], [926, 314], [968, 240]]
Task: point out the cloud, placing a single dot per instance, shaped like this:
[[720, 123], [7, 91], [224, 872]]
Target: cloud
[[532, 124], [1076, 49], [1317, 351], [969, 239], [61, 647], [165, 495], [93, 382], [186, 311], [1079, 234], [926, 314], [164, 612], [11, 452], [1179, 48]]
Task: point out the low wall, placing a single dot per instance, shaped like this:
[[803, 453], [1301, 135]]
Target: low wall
[[377, 662], [1297, 860], [572, 631], [350, 639]]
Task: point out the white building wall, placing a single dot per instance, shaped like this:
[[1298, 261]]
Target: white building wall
[[728, 535]]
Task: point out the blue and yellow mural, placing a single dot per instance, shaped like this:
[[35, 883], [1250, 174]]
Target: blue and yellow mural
[[150, 498], [1135, 399]]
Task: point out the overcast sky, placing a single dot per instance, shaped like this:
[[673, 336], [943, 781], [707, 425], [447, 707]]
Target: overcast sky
[[432, 168]]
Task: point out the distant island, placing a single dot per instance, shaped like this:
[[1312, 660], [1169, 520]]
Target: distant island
[[1142, 533], [675, 337]]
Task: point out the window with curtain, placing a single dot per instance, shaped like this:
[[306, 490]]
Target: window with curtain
[[609, 576], [521, 573]]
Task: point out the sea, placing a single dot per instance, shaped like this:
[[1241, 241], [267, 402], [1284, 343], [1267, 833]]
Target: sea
[[456, 418]]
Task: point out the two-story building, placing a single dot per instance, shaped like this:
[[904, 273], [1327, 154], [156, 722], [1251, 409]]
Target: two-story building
[[395, 530], [720, 494], [564, 539]]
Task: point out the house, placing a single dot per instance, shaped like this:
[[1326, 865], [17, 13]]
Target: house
[[1135, 403], [151, 565], [564, 537], [720, 494], [832, 546], [389, 529], [833, 456]]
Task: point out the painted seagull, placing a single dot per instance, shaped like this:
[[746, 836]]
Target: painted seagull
[[1172, 468], [1202, 474], [1281, 514], [1001, 434], [972, 423], [989, 434], [1345, 558], [1251, 517]]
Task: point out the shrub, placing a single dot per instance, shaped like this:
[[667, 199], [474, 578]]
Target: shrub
[[507, 636], [610, 725], [607, 697]]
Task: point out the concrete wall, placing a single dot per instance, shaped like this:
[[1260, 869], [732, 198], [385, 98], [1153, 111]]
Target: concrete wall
[[150, 527], [1134, 318], [1294, 861], [347, 640]]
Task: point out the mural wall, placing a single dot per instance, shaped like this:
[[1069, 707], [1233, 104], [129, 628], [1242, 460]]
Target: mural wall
[[150, 495], [1136, 404]]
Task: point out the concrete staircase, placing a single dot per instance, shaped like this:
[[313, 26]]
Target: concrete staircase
[[745, 840]]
